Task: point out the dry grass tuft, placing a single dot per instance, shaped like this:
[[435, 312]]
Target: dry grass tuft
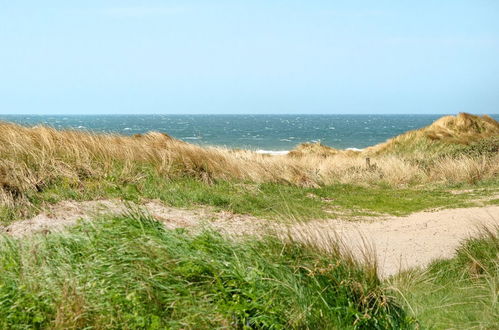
[[361, 252], [464, 169]]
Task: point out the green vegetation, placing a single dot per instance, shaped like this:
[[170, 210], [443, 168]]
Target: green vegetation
[[493, 202], [461, 292], [409, 173], [268, 200], [130, 272], [487, 147], [387, 200]]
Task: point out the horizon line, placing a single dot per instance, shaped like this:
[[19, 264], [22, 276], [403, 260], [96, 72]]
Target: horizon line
[[241, 114]]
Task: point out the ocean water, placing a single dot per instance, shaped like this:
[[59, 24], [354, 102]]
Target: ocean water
[[276, 133]]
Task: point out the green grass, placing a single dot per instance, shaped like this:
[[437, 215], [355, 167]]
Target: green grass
[[388, 200], [493, 202], [458, 293], [266, 200], [130, 272], [487, 147]]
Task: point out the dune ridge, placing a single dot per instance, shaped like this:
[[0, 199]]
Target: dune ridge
[[461, 129]]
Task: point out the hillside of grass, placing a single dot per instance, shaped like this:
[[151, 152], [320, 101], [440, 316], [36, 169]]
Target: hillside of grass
[[131, 272], [449, 135]]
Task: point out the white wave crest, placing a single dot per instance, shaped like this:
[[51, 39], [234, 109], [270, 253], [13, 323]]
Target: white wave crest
[[272, 152]]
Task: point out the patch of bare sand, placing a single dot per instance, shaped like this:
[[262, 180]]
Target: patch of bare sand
[[401, 243], [63, 214], [67, 213], [398, 243]]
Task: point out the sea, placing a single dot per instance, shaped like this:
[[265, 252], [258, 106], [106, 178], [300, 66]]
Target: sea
[[274, 134]]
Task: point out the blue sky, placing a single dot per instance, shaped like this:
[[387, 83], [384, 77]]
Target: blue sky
[[96, 57]]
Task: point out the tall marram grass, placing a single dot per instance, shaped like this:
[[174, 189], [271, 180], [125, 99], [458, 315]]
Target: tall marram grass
[[32, 158], [131, 272]]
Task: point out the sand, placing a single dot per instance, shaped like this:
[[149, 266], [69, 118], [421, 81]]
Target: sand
[[399, 243]]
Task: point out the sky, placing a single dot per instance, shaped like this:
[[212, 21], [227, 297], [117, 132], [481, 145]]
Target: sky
[[261, 57]]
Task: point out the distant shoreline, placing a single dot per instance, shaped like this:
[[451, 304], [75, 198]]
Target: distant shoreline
[[285, 152]]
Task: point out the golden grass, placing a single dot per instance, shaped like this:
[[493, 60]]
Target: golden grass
[[461, 129], [32, 158], [317, 149], [464, 169]]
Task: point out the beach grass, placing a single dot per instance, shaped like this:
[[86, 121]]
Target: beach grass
[[42, 165], [273, 201], [131, 272], [457, 293]]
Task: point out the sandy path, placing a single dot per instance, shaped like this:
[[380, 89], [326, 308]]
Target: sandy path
[[398, 242], [406, 242]]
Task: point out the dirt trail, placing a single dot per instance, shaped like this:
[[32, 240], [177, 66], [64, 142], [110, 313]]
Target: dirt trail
[[399, 242]]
